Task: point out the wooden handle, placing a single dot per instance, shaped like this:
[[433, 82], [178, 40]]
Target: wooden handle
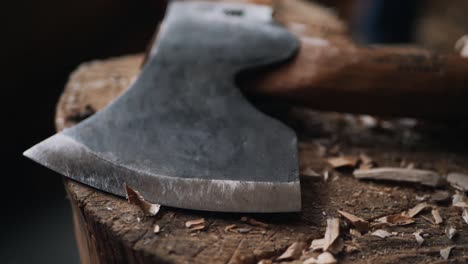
[[337, 75]]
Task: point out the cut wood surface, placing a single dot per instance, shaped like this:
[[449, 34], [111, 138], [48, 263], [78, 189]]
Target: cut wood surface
[[110, 230]]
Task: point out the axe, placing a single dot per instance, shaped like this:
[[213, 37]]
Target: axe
[[185, 136]]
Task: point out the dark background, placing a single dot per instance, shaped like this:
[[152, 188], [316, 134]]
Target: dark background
[[43, 41]]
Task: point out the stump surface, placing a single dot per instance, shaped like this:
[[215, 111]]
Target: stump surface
[[110, 230]]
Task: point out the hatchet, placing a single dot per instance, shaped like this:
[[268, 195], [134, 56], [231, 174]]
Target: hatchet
[[184, 135]]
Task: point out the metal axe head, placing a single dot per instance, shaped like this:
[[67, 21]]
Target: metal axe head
[[183, 134]]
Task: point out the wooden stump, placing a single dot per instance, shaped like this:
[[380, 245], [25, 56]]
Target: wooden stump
[[109, 230]]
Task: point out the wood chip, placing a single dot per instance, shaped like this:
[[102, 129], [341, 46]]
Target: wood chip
[[381, 233], [360, 224], [459, 200], [366, 162], [450, 231], [422, 198], [461, 46], [337, 246], [254, 222], [342, 162], [317, 244], [293, 252], [396, 220], [418, 237], [243, 230], [424, 177], [332, 232], [437, 218], [417, 209], [465, 215], [355, 232], [197, 228], [326, 175], [310, 173], [134, 197], [156, 229], [311, 260], [458, 181], [440, 196], [445, 252], [229, 228], [324, 258], [351, 248], [365, 159], [196, 222]]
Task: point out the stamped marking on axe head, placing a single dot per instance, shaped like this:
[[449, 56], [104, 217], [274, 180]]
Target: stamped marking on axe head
[[183, 134]]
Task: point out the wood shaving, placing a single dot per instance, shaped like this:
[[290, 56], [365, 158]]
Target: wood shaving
[[417, 209], [424, 177], [293, 252], [324, 258], [156, 229], [134, 197], [254, 222], [458, 181], [450, 231], [360, 224], [196, 222], [437, 218], [465, 215], [381, 233], [445, 252], [332, 232], [418, 237], [342, 162]]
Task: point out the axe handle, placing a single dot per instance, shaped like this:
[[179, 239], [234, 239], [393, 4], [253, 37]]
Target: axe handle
[[392, 81]]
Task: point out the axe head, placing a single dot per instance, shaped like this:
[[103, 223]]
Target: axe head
[[183, 135]]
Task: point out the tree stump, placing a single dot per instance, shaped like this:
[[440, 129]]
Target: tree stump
[[110, 230]]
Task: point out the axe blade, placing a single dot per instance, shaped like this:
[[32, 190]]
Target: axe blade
[[183, 135]]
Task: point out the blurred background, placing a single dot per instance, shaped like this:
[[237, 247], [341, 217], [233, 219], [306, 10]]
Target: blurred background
[[45, 41]]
